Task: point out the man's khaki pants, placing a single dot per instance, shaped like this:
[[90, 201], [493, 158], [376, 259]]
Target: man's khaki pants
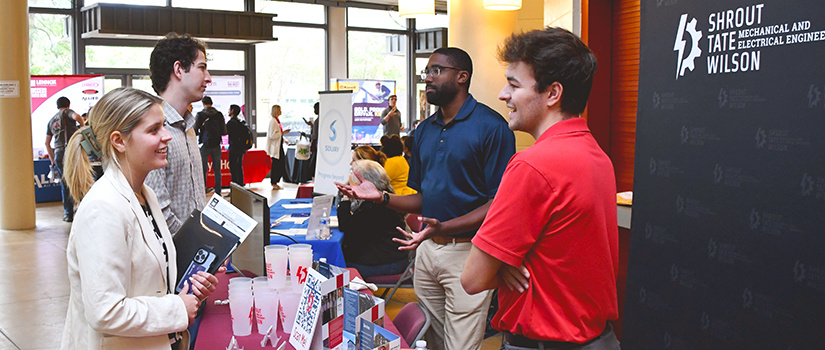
[[458, 318]]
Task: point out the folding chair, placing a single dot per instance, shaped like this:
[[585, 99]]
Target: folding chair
[[412, 322], [391, 283]]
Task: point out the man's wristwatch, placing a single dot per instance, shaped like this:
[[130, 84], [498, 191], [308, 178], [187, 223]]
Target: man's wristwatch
[[386, 199]]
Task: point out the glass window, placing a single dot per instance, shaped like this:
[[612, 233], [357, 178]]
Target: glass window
[[60, 4], [369, 59], [127, 2], [366, 18], [142, 82], [430, 22], [50, 46], [226, 59], [292, 11], [111, 83], [222, 5], [290, 74], [117, 57]]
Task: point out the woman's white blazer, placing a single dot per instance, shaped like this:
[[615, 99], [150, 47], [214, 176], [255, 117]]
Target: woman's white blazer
[[117, 272], [274, 139]]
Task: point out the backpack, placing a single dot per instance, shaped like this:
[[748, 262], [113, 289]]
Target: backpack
[[212, 129], [247, 137], [62, 127]]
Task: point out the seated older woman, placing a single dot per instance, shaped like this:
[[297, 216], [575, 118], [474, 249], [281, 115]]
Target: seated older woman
[[369, 227]]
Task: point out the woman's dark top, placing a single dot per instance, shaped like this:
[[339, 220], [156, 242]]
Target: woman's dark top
[[368, 234]]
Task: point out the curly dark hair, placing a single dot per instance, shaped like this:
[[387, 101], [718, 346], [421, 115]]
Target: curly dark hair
[[167, 51], [392, 146], [555, 55]]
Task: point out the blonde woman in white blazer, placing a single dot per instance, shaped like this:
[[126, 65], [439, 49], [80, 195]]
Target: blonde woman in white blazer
[[275, 147], [120, 253]]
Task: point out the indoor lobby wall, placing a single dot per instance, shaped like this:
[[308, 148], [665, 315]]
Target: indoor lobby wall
[[562, 13], [17, 204], [482, 42]]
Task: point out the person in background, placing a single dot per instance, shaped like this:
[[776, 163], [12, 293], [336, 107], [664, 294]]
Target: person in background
[[391, 117], [61, 127], [556, 270], [408, 144], [122, 262], [275, 147], [313, 138], [369, 227], [179, 76], [367, 152], [238, 135], [396, 166], [459, 155], [210, 128]]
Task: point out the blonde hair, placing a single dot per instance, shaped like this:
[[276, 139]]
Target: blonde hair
[[122, 109], [274, 107], [367, 152]]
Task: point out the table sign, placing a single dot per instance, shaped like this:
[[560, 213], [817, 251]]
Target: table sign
[[321, 205], [320, 294]]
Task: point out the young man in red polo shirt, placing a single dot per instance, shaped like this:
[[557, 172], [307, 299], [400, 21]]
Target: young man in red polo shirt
[[550, 236]]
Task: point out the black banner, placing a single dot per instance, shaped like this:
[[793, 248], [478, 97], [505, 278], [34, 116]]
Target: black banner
[[727, 248]]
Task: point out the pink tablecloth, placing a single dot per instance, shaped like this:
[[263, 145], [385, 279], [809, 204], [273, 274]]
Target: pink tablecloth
[[215, 330]]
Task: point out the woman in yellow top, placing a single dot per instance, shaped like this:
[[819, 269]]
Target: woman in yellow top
[[396, 166]]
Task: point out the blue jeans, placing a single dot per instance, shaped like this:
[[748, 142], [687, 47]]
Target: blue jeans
[[215, 152], [380, 270], [68, 202]]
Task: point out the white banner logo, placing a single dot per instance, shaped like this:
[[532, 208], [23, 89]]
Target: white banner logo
[[686, 62]]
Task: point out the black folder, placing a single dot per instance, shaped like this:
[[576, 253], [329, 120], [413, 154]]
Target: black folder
[[201, 245]]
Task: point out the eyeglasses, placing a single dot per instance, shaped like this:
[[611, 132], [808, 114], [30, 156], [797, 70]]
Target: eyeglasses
[[435, 71]]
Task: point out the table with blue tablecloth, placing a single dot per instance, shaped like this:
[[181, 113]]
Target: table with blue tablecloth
[[45, 189], [329, 248]]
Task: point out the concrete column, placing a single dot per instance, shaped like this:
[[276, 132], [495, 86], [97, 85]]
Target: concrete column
[[17, 169], [480, 32], [337, 43]]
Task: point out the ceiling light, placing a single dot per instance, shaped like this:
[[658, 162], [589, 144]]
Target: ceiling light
[[502, 5], [415, 8]]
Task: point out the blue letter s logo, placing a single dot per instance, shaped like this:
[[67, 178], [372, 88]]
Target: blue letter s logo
[[334, 133]]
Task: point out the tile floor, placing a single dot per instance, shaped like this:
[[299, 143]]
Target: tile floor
[[34, 295]]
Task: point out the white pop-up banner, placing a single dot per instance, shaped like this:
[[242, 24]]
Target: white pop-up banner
[[334, 140]]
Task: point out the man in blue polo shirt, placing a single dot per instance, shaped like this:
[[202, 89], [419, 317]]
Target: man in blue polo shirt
[[459, 156]]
